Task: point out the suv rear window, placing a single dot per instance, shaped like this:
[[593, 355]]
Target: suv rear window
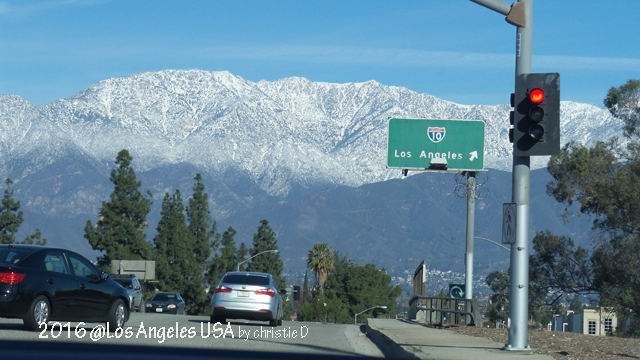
[[246, 279], [126, 283], [13, 256]]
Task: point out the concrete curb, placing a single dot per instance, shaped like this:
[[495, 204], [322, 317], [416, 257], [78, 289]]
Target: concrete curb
[[390, 348], [403, 339]]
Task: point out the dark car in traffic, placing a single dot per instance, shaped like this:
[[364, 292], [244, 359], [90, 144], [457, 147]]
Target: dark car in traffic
[[247, 295], [130, 283], [40, 284], [166, 302]]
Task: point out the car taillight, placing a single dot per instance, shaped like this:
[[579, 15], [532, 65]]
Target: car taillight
[[266, 292], [11, 277], [222, 289]]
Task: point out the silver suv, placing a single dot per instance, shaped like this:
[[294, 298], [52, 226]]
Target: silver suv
[[132, 285], [247, 295]]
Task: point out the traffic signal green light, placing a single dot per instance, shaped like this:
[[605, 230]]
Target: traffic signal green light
[[536, 114]]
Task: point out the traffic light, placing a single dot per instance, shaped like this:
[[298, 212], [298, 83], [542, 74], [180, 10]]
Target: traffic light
[[296, 292], [511, 117], [536, 115]]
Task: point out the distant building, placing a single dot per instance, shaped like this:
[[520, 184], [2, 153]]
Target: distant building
[[587, 321]]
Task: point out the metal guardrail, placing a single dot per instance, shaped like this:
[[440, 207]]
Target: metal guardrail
[[439, 310]]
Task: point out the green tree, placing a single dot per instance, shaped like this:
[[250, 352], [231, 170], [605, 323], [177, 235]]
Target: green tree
[[10, 216], [263, 240], [204, 241], [174, 257], [341, 260], [226, 260], [177, 263], [557, 268], [199, 218], [11, 219], [498, 281], [321, 260], [35, 237], [350, 290], [575, 304], [603, 181], [241, 254], [623, 103], [617, 277], [119, 232]]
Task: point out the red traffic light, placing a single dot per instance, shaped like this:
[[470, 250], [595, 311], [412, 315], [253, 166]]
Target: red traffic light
[[536, 96]]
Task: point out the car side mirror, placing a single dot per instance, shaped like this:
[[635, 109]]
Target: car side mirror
[[105, 275], [283, 292]]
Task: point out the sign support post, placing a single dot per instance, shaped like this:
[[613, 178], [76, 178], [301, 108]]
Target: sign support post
[[471, 214]]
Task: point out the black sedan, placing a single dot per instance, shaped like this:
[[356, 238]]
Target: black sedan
[[41, 284], [166, 302]]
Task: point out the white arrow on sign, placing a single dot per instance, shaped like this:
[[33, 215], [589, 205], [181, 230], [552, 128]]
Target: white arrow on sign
[[453, 291], [474, 155]]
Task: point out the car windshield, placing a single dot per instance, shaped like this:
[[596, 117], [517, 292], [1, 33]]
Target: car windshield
[[13, 256], [246, 279], [164, 297]]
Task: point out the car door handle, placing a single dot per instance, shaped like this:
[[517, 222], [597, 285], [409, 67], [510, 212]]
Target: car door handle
[[81, 286], [50, 281]]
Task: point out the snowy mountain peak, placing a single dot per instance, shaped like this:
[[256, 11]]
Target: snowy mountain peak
[[284, 133]]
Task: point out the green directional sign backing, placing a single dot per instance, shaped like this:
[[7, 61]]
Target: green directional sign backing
[[453, 145], [457, 291]]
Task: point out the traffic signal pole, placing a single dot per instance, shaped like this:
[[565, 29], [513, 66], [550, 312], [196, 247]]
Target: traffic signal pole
[[519, 282], [520, 15]]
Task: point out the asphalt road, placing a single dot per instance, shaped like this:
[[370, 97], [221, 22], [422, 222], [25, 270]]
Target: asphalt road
[[194, 332]]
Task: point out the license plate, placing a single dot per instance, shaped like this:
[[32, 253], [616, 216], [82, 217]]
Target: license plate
[[158, 309], [243, 293]]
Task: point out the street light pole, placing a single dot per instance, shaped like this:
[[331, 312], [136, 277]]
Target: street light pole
[[491, 241], [355, 317], [260, 253]]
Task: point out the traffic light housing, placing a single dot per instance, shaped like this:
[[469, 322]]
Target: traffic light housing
[[296, 292], [536, 114]]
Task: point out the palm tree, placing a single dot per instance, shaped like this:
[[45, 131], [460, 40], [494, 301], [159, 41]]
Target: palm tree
[[321, 260]]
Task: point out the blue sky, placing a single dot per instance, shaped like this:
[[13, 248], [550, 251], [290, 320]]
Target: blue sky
[[453, 49]]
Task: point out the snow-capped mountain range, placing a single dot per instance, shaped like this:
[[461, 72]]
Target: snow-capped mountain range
[[281, 134]]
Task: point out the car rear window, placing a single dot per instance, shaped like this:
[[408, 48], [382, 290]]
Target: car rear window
[[246, 279], [13, 256]]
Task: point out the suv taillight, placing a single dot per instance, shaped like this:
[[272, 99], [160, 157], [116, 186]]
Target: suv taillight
[[266, 292], [222, 289], [11, 277]]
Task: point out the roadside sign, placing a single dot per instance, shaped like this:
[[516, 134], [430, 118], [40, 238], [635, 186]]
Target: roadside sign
[[509, 222], [457, 291], [444, 145]]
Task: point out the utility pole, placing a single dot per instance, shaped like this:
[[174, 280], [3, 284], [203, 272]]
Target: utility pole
[[520, 15]]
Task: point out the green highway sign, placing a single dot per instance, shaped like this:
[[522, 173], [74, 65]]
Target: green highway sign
[[445, 145], [456, 291]]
